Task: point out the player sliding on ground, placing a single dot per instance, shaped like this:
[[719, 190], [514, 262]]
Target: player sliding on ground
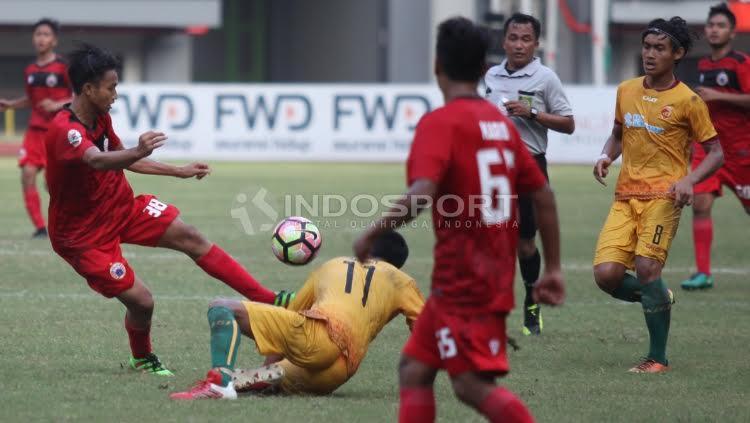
[[93, 210], [656, 118], [467, 154], [324, 334]]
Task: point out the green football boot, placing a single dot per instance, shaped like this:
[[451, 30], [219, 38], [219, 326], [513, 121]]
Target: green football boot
[[698, 281], [532, 320], [149, 364]]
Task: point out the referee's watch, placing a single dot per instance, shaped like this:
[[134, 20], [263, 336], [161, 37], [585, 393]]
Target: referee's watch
[[534, 113]]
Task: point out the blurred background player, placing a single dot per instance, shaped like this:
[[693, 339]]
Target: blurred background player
[[47, 90], [468, 149], [532, 95], [323, 336], [725, 87], [93, 210], [656, 117]]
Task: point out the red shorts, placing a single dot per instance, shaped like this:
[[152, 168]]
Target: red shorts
[[33, 152], [459, 343], [105, 269], [735, 173]]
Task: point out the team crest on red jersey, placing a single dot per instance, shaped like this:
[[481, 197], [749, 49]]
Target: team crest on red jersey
[[74, 138], [51, 80], [666, 112], [117, 270]]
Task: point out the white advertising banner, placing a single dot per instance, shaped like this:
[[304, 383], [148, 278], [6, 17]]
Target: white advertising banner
[[316, 122]]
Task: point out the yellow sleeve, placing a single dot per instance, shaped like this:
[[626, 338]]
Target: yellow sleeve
[[701, 128], [412, 301], [306, 295], [618, 111]]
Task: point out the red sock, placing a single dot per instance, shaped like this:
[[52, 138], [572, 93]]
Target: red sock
[[217, 263], [501, 405], [33, 206], [140, 339], [417, 405], [703, 235]]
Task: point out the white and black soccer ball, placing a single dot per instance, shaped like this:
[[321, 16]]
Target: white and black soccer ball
[[296, 241]]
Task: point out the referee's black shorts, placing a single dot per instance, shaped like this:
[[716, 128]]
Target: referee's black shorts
[[527, 229]]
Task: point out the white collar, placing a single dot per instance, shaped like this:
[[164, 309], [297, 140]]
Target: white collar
[[527, 70]]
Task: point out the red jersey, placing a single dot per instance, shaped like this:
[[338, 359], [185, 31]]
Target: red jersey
[[48, 81], [87, 206], [479, 163], [729, 74]]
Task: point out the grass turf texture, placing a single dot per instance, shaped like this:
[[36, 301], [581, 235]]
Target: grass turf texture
[[62, 345]]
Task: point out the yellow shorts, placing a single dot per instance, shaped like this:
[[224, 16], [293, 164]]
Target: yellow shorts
[[635, 227], [313, 363]]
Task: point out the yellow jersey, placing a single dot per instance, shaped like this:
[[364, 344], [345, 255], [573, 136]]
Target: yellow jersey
[[357, 300], [658, 127]]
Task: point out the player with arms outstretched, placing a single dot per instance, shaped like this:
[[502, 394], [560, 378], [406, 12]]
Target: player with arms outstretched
[[47, 90], [467, 154], [656, 118], [725, 87], [324, 334], [93, 210]]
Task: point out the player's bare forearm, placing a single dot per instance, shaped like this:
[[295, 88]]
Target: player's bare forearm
[[740, 100], [713, 161], [148, 166], [557, 123], [16, 103], [111, 160], [545, 212], [417, 198], [613, 146]]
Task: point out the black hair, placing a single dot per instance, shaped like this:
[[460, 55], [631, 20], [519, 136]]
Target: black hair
[[522, 18], [723, 9], [390, 247], [676, 29], [462, 49], [88, 63], [51, 23]]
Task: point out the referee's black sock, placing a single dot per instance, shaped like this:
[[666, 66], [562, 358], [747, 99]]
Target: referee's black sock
[[530, 273]]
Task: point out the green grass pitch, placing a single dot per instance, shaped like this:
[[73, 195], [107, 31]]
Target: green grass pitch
[[62, 345]]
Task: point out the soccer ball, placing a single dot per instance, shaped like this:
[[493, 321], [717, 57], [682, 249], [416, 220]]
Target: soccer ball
[[296, 241]]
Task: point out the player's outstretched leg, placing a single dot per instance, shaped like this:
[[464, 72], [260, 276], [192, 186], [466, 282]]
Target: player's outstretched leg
[[657, 309], [214, 261], [32, 201], [140, 307], [416, 398], [225, 319], [496, 403], [703, 233]]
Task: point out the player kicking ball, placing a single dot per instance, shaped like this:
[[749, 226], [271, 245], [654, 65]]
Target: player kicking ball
[[93, 209], [656, 118], [463, 152], [324, 334]]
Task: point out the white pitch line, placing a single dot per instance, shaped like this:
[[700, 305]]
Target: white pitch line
[[161, 256]]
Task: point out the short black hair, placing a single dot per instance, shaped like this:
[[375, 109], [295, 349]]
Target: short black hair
[[462, 49], [390, 247], [723, 9], [522, 18], [53, 24], [88, 63], [676, 29]]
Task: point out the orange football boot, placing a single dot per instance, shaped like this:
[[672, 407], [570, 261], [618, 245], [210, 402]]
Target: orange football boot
[[649, 366]]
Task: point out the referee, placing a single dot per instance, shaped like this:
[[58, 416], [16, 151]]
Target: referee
[[532, 96]]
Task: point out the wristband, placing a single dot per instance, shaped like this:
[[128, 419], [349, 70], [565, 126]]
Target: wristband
[[603, 156]]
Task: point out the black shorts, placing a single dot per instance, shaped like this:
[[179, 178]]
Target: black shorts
[[527, 227]]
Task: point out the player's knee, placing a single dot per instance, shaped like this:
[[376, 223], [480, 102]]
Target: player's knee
[[465, 391], [647, 270], [413, 373], [607, 276], [747, 210], [28, 177], [143, 305]]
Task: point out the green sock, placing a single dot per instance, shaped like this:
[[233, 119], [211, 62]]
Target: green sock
[[657, 308], [629, 289], [225, 341]]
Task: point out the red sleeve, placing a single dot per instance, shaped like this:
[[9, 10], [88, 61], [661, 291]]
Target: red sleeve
[[743, 74], [26, 86], [431, 149], [71, 142], [529, 177]]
